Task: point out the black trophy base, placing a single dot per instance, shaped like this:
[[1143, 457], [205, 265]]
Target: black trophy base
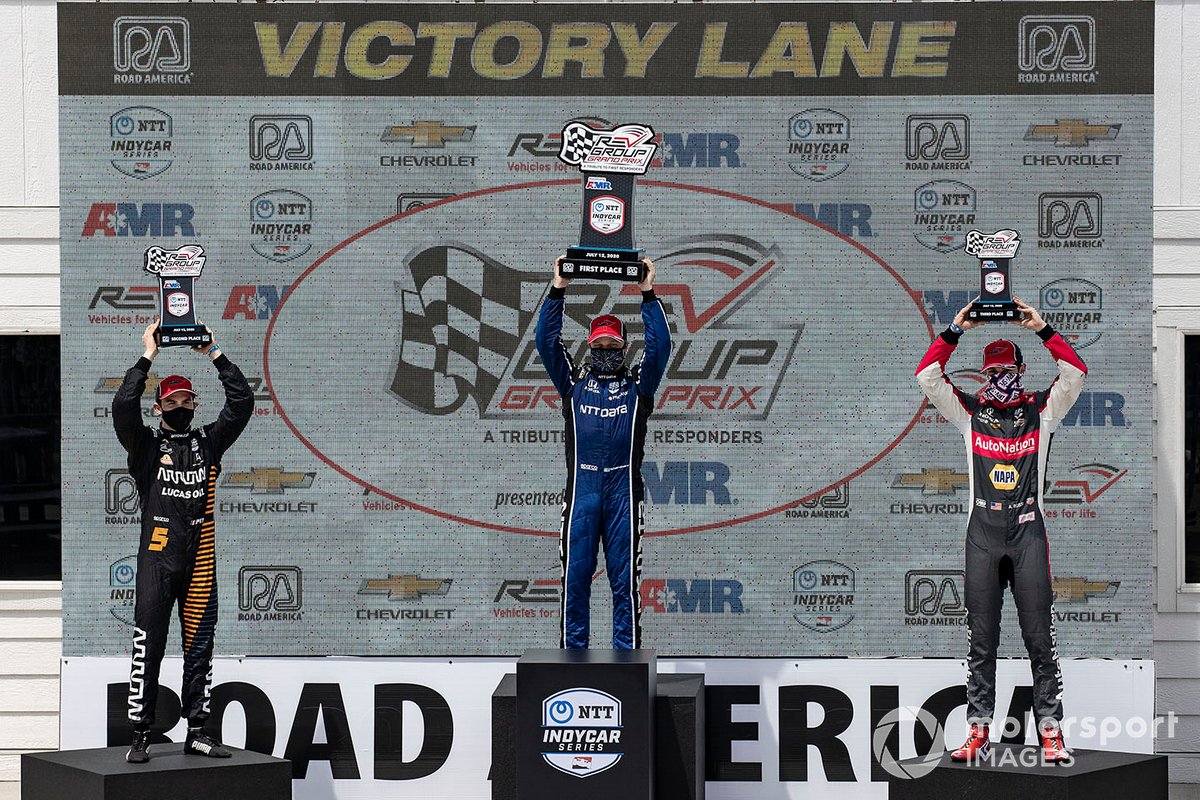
[[602, 264], [999, 310], [180, 335], [678, 738], [1017, 771], [103, 774]]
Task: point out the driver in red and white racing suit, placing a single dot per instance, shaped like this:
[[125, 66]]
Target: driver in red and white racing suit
[[1007, 432]]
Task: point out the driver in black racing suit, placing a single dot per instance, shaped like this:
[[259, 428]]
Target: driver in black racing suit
[[1007, 432], [175, 467]]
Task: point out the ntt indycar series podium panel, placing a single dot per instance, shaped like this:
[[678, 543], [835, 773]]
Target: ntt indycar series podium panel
[[379, 197]]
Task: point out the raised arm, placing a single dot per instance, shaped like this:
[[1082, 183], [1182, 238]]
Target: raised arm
[[953, 403], [1071, 370], [127, 402], [657, 335], [553, 352], [239, 400]]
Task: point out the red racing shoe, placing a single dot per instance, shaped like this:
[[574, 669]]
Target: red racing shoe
[[1054, 750], [976, 746]]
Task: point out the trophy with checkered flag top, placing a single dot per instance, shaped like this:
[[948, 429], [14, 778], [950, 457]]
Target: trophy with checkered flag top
[[176, 270], [995, 252], [610, 162]]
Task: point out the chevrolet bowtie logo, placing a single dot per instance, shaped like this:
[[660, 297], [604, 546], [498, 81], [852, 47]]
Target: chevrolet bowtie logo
[[270, 480], [427, 133], [938, 480], [405, 587], [110, 385], [1071, 132], [1080, 590]]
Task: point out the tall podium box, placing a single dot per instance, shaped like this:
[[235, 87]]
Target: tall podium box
[[585, 724]]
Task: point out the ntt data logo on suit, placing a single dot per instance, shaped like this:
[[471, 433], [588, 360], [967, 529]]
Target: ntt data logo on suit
[[152, 50]]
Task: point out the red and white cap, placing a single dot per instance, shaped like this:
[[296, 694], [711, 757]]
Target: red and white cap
[[172, 384], [607, 325], [1001, 353]]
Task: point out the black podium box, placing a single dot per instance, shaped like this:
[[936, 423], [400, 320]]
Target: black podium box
[[103, 774], [678, 738], [585, 724], [1016, 771]]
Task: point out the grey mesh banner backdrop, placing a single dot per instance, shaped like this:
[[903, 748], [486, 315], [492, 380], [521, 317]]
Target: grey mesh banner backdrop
[[377, 192]]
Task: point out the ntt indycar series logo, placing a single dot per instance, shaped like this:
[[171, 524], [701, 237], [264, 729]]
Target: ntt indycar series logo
[[581, 731]]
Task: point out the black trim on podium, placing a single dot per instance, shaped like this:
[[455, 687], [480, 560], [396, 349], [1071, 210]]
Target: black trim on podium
[[103, 774], [1016, 771]]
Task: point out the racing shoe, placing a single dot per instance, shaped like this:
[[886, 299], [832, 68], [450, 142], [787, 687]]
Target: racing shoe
[[1054, 749], [976, 746], [139, 751], [200, 743]]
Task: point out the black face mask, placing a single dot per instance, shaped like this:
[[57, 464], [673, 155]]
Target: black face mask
[[179, 418], [607, 362]]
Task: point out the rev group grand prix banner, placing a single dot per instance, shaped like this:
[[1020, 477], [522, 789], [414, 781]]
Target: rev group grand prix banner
[[377, 191]]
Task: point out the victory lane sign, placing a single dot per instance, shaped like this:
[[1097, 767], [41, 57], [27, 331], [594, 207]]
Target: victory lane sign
[[610, 161]]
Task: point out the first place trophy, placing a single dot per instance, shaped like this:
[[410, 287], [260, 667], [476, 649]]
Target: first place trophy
[[176, 270], [995, 252], [610, 162]]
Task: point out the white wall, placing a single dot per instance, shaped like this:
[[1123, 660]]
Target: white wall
[[30, 630], [28, 166]]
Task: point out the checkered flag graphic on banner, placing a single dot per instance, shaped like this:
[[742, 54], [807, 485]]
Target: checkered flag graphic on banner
[[577, 141], [461, 328], [974, 241], [156, 258]]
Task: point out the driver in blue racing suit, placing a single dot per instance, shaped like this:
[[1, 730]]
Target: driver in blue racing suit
[[605, 405]]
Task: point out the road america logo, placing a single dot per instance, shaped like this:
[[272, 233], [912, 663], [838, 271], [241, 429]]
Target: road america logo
[[152, 50], [581, 731], [627, 149]]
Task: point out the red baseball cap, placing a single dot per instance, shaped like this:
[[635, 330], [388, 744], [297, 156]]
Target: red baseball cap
[[607, 325], [1001, 353], [172, 384]]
